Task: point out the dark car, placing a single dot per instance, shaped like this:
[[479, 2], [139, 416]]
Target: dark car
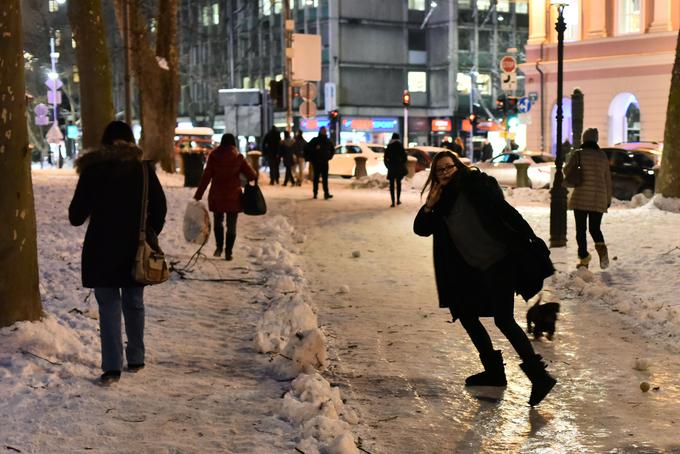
[[632, 171]]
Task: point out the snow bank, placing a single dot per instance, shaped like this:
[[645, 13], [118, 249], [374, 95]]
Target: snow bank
[[375, 180], [667, 203], [289, 330]]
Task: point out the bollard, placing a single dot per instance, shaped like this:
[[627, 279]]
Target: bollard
[[360, 166], [411, 166], [523, 180], [254, 160]]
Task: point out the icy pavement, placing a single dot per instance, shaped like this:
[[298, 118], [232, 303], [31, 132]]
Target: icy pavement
[[402, 364]]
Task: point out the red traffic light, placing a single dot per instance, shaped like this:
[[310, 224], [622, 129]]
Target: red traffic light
[[472, 118], [334, 113], [406, 98]]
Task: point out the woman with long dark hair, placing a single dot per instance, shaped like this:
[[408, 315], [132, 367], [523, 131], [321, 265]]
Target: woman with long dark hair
[[222, 172], [479, 242], [109, 193]]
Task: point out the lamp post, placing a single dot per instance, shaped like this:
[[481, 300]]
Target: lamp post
[[558, 193]]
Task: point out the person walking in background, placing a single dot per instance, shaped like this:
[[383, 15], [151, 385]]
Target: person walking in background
[[109, 193], [271, 149], [487, 150], [478, 238], [321, 150], [288, 156], [590, 199], [222, 171], [395, 161], [299, 152], [459, 147]]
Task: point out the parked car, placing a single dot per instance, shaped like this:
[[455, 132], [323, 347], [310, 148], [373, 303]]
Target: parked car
[[425, 154], [632, 170], [343, 163], [501, 167]]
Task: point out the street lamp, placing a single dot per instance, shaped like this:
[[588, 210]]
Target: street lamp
[[558, 193]]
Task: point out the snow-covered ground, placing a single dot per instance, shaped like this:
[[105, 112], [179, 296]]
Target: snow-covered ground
[[242, 365]]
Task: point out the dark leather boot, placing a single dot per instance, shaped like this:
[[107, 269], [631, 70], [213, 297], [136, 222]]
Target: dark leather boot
[[494, 372], [601, 249], [231, 239], [541, 381]]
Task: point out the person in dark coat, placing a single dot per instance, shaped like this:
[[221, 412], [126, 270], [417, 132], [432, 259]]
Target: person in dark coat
[[590, 199], [321, 150], [299, 152], [288, 156], [109, 193], [487, 150], [223, 170], [271, 149], [479, 246], [395, 161]]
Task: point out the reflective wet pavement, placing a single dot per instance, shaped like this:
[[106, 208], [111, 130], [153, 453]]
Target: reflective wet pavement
[[401, 363]]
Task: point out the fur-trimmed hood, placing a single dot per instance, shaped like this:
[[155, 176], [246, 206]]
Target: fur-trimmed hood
[[119, 151]]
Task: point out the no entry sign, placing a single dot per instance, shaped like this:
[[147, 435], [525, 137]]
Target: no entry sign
[[508, 64]]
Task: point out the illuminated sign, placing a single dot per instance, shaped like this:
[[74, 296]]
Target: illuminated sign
[[441, 125], [370, 124], [314, 124]]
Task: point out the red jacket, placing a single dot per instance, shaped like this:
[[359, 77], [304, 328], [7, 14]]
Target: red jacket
[[224, 167]]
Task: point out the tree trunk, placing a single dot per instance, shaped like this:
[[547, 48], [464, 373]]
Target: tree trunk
[[19, 293], [157, 77], [669, 173], [94, 66]]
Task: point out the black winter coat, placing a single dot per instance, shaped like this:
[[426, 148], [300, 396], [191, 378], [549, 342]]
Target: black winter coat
[[395, 160], [109, 193], [321, 150], [462, 288]]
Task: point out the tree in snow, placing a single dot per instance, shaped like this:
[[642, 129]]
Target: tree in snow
[[94, 65], [669, 173], [156, 73], [19, 294]]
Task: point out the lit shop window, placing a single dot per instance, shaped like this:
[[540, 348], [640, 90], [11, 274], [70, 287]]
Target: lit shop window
[[417, 81], [629, 16], [418, 5]]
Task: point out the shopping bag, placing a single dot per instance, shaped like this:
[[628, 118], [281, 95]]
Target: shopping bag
[[253, 201]]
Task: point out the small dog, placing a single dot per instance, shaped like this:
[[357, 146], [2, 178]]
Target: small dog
[[541, 318]]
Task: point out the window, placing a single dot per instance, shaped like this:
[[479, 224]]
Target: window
[[572, 17], [418, 5], [629, 16], [503, 6], [52, 6], [246, 82], [417, 40], [463, 83], [215, 13], [484, 84], [205, 16], [266, 7], [483, 5], [522, 6], [417, 81]]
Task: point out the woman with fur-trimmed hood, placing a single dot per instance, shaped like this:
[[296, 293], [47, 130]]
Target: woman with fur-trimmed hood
[[109, 194]]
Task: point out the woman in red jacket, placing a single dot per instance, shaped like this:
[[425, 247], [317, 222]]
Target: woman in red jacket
[[224, 167]]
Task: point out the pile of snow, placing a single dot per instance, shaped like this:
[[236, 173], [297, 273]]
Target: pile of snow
[[375, 180], [418, 181], [520, 196], [667, 203], [639, 200], [289, 330]]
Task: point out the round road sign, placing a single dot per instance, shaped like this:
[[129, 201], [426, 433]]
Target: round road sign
[[508, 64]]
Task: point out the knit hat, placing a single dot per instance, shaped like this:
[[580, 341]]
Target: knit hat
[[590, 135]]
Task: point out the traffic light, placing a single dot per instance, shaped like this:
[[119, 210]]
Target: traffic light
[[500, 103], [334, 117], [276, 93], [472, 118], [406, 98], [511, 104]]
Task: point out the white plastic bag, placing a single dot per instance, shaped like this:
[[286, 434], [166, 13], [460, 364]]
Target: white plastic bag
[[196, 223]]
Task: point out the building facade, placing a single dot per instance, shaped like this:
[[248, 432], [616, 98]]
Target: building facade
[[372, 50], [619, 53]]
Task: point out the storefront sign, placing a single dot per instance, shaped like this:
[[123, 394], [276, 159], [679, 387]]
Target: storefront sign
[[418, 124], [314, 124], [441, 125], [370, 124]]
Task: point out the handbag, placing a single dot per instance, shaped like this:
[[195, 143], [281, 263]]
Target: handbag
[[573, 175], [253, 201], [150, 266]]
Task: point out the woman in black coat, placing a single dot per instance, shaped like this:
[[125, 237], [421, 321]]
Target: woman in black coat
[[109, 193], [480, 245], [395, 161]]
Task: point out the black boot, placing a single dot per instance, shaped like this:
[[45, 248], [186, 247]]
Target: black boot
[[231, 239], [541, 381], [494, 372]]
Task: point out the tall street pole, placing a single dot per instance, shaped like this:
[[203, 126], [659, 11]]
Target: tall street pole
[[289, 26], [558, 193]]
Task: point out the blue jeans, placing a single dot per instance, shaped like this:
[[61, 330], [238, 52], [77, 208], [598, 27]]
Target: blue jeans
[[112, 301]]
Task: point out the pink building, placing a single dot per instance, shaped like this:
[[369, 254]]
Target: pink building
[[619, 53]]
